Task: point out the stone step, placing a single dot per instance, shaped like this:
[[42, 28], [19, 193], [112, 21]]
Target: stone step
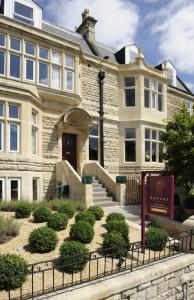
[[101, 199], [99, 194], [96, 190], [96, 185], [106, 203]]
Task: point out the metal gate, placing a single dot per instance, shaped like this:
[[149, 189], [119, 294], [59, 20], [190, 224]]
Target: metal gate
[[133, 189]]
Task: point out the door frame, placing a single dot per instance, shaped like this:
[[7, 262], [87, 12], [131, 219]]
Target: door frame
[[76, 148]]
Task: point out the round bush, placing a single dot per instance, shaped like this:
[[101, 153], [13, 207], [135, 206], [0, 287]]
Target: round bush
[[43, 239], [119, 226], [86, 216], [156, 238], [115, 216], [74, 256], [13, 271], [97, 212], [82, 232], [67, 208], [23, 210], [41, 214], [58, 221], [114, 245]]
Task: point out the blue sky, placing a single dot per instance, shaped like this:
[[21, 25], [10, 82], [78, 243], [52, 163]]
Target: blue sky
[[162, 28]]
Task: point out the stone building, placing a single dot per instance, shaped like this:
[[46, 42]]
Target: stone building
[[71, 106]]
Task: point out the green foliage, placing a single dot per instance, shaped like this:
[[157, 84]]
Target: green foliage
[[97, 211], [179, 144], [13, 271], [115, 216], [119, 226], [67, 208], [86, 216], [156, 238], [114, 245], [179, 214], [12, 205], [23, 210], [41, 214], [176, 199], [82, 232], [74, 256], [189, 202], [43, 239], [8, 228], [58, 221]]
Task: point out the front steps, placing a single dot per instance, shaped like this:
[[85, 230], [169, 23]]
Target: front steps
[[100, 195]]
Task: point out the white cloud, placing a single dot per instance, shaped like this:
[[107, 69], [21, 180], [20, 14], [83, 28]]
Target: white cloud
[[190, 86], [117, 19], [174, 26]]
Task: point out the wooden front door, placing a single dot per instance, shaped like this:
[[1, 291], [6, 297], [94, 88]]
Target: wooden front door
[[69, 149]]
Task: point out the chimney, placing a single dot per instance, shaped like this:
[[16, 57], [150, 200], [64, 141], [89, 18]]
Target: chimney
[[87, 27]]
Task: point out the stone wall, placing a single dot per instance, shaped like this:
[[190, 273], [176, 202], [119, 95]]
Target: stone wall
[[111, 148]]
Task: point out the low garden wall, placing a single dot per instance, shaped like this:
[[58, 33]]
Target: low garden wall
[[159, 281]]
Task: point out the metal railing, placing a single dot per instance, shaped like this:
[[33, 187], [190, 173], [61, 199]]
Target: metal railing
[[49, 276], [133, 189]]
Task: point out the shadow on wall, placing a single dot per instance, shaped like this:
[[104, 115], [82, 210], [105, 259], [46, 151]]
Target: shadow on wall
[[50, 186]]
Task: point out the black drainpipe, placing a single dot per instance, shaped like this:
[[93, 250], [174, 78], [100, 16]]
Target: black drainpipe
[[101, 76]]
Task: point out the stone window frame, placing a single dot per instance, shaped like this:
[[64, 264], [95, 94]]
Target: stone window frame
[[152, 140], [19, 181], [133, 87], [35, 128], [13, 121], [154, 91], [129, 140], [94, 137], [22, 18], [2, 179], [37, 179]]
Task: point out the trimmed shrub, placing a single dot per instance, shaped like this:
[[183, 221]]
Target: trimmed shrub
[[8, 229], [43, 239], [97, 212], [119, 226], [23, 210], [82, 232], [156, 238], [189, 202], [67, 208], [73, 256], [114, 245], [115, 216], [41, 214], [86, 216], [58, 221], [14, 271]]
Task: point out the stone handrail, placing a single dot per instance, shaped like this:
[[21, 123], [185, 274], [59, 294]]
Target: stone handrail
[[66, 174], [95, 169]]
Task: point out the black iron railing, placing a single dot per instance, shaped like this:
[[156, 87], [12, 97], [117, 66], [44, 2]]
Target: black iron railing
[[49, 276]]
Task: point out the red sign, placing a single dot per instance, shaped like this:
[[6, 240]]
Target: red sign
[[160, 195]]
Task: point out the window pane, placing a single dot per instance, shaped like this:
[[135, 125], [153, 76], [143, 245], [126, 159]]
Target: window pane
[[1, 136], [34, 141], [153, 100], [147, 133], [160, 152], [2, 62], [94, 130], [153, 85], [129, 81], [1, 190], [69, 80], [69, 61], [14, 188], [24, 20], [43, 53], [154, 134], [146, 98], [14, 137], [147, 151], [160, 102], [2, 40], [35, 189], [15, 44], [130, 97], [29, 69], [43, 74], [56, 57], [146, 82], [93, 148], [160, 87], [23, 10], [15, 66], [1, 109], [130, 133], [130, 151], [56, 78], [30, 49], [160, 135], [13, 111], [154, 152], [34, 118]]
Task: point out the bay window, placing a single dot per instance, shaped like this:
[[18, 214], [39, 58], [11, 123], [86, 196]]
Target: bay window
[[34, 132], [29, 49], [130, 145], [69, 73], [153, 94], [23, 13], [2, 63], [93, 143], [43, 53], [30, 69], [14, 127], [15, 44], [56, 77], [14, 66], [153, 145], [43, 73], [2, 40], [56, 57], [69, 80], [129, 89]]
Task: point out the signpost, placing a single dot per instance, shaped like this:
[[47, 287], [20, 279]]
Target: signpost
[[157, 197]]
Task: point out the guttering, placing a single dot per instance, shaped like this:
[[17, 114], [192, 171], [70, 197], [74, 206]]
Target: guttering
[[101, 77]]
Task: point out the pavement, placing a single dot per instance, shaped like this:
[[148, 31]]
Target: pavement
[[131, 213]]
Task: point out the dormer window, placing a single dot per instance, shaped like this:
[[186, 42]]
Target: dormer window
[[23, 13]]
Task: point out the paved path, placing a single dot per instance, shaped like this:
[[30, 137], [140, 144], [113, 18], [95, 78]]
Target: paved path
[[131, 213]]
